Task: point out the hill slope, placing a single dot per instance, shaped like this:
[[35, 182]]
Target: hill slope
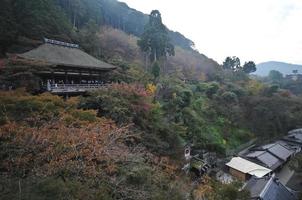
[[106, 29], [62, 19], [264, 68]]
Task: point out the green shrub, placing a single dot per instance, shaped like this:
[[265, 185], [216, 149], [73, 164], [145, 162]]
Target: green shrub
[[121, 102], [229, 97], [85, 115]]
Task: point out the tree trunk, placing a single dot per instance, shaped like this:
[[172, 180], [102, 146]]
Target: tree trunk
[[155, 56], [165, 65], [146, 61], [74, 19], [20, 190]]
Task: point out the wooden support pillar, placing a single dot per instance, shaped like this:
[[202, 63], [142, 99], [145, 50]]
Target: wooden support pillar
[[52, 77], [90, 77], [80, 81], [66, 77], [100, 78]]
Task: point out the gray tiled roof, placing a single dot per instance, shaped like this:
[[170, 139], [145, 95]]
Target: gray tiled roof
[[280, 151], [296, 131], [295, 136], [254, 154], [277, 150], [277, 191], [268, 189], [255, 186], [269, 160], [265, 158]]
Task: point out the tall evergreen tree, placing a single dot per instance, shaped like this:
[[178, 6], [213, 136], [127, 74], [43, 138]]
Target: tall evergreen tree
[[155, 41], [232, 63], [249, 67]]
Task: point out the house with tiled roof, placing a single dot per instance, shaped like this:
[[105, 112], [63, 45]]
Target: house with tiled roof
[[269, 188], [294, 137], [272, 156]]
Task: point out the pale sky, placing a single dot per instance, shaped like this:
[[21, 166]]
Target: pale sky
[[258, 30]]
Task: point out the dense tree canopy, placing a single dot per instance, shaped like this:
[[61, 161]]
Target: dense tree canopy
[[275, 76], [232, 63], [56, 18], [249, 67]]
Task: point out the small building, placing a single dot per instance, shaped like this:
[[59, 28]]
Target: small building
[[272, 156], [198, 161], [268, 188], [66, 68], [294, 137], [199, 167], [278, 150], [243, 169]]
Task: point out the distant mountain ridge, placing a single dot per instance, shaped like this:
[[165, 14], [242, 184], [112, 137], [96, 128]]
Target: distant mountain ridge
[[264, 68]]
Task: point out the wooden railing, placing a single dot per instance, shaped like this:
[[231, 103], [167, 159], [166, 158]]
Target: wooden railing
[[77, 88]]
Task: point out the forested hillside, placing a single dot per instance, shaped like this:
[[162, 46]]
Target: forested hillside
[[126, 140], [62, 19]]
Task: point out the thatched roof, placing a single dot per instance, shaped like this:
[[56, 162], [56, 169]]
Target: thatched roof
[[60, 55]]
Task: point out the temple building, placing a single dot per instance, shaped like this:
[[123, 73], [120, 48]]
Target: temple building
[[66, 68]]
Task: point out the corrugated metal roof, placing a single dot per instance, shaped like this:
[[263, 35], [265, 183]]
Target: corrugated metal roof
[[248, 167], [66, 56]]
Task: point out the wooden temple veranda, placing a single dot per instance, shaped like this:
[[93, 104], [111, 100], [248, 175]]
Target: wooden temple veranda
[[69, 69]]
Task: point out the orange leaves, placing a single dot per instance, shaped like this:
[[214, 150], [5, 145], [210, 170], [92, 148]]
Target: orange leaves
[[130, 89], [2, 63], [124, 103], [76, 144], [151, 88], [204, 190], [19, 106], [8, 130], [56, 148], [165, 164], [121, 45]]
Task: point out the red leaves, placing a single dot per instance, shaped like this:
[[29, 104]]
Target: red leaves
[[55, 148], [131, 89], [136, 94], [2, 63]]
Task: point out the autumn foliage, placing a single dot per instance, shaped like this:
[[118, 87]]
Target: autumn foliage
[[120, 102], [46, 141]]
